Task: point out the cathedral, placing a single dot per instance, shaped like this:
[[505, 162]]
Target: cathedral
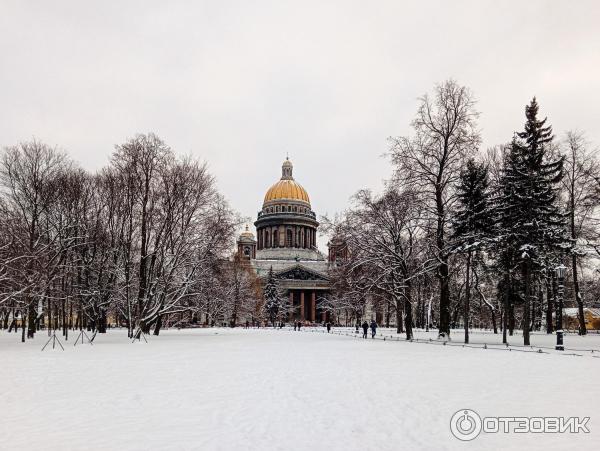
[[286, 240]]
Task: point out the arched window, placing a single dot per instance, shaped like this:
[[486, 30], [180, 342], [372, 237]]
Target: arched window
[[275, 238], [288, 238], [267, 243]]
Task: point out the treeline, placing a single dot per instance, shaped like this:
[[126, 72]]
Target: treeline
[[466, 237], [144, 240]]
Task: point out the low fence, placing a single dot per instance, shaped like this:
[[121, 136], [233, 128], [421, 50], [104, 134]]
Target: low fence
[[577, 352]]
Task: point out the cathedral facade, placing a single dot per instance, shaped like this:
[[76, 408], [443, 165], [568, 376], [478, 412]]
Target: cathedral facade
[[286, 241]]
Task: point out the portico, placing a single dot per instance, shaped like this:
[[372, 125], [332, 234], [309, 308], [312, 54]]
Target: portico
[[305, 305]]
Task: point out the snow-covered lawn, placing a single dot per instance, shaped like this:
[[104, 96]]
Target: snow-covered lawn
[[219, 389]]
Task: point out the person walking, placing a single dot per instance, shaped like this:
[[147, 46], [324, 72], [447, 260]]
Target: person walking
[[299, 325], [373, 328], [365, 327], [328, 327]]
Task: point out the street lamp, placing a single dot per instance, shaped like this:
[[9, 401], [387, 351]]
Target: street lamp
[[560, 271]]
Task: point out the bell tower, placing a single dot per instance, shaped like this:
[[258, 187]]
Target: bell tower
[[246, 245]]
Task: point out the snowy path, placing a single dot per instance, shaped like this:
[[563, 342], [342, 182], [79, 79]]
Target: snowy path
[[280, 390]]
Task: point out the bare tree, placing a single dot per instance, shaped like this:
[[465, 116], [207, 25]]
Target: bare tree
[[383, 234], [581, 170], [27, 172], [444, 134]]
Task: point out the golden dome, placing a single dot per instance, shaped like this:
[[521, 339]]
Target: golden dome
[[287, 188], [246, 235]]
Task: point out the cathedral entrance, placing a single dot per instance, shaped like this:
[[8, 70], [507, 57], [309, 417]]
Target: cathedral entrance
[[303, 305]]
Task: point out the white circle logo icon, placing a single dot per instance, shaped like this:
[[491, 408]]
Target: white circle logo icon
[[465, 425]]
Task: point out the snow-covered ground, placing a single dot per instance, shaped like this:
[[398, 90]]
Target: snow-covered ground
[[219, 389]]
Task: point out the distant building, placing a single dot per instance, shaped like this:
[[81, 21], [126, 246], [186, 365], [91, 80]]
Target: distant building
[[286, 240], [590, 315]]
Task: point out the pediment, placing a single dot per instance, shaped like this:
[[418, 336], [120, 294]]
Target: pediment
[[300, 272]]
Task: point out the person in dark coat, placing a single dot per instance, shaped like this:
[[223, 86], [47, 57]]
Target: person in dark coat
[[299, 324], [373, 328], [328, 327], [365, 327], [295, 325]]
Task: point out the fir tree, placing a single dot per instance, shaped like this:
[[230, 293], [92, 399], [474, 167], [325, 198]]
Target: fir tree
[[532, 228], [272, 298], [472, 224]]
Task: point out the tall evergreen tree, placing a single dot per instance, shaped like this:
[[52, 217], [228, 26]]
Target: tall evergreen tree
[[473, 222], [532, 227], [272, 297]]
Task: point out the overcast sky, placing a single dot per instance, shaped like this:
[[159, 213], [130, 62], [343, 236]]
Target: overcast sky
[[240, 84]]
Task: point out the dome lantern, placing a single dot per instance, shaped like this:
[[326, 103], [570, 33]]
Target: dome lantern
[[286, 170]]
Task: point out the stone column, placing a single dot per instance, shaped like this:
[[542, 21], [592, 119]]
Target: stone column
[[282, 237], [313, 306], [291, 305], [302, 305]]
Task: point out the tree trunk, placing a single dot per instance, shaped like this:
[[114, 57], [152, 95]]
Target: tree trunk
[[102, 320], [408, 318], [526, 306], [31, 317], [578, 297], [158, 325], [444, 318], [505, 309], [443, 270], [398, 314], [549, 306], [23, 318], [493, 315], [467, 307], [511, 315]]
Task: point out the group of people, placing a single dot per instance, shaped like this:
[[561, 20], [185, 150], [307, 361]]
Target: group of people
[[298, 325], [365, 328]]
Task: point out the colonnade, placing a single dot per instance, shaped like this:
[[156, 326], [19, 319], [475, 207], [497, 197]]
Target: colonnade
[[294, 236], [305, 306]]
